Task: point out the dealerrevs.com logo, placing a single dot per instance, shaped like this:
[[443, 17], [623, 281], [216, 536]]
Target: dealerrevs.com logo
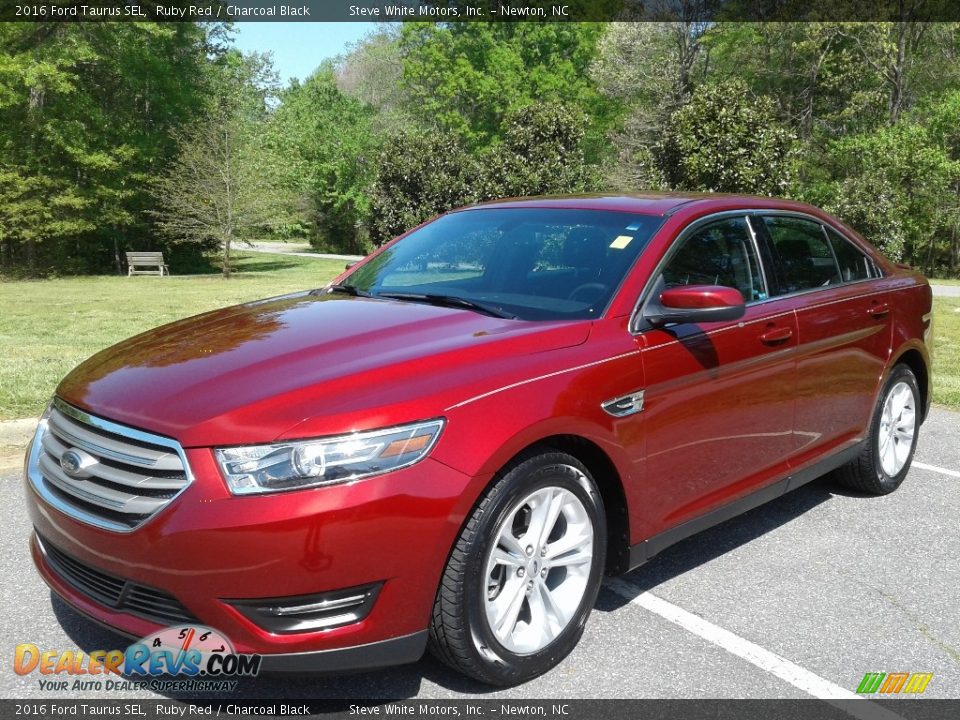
[[191, 657]]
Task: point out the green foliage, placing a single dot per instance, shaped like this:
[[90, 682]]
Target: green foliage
[[416, 118], [466, 77], [85, 116], [419, 175], [423, 174], [725, 141], [225, 182], [540, 154], [329, 147], [893, 185]]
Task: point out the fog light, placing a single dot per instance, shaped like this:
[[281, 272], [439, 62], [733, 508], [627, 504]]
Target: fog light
[[309, 613]]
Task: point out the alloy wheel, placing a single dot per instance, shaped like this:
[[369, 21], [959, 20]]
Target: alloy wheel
[[538, 569], [898, 423]]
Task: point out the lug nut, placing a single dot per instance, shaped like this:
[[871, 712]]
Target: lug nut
[[543, 573], [520, 572], [529, 549], [543, 551]]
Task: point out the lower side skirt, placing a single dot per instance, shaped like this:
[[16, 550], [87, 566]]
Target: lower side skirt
[[645, 550]]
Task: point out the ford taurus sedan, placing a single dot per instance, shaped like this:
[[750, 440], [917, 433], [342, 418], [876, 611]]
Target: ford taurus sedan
[[452, 443]]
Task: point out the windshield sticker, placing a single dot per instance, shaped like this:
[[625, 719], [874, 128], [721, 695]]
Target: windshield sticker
[[621, 241]]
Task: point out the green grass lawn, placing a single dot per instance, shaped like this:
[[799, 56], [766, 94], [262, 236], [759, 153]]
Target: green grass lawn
[[944, 281], [49, 326], [946, 351]]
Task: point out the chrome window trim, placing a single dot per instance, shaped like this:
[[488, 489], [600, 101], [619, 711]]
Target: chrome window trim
[[635, 315], [825, 224], [39, 487]]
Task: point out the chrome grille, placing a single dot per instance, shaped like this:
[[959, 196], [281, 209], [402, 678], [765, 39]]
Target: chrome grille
[[112, 591], [113, 477]]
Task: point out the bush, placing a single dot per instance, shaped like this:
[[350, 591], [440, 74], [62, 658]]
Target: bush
[[422, 175], [725, 141]]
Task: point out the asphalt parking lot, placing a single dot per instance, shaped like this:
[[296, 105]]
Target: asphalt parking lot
[[795, 599]]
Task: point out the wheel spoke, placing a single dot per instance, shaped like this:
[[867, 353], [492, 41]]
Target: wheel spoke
[[544, 622], [571, 544], [502, 557], [898, 399], [890, 459], [884, 441], [907, 423], [508, 606], [510, 543], [904, 435], [554, 611], [543, 518]]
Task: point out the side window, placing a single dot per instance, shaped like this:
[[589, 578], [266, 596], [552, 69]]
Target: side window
[[720, 253], [854, 265], [806, 260]]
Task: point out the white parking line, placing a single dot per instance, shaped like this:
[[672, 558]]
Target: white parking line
[[768, 661], [936, 469]]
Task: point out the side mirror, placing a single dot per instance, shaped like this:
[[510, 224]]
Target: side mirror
[[695, 304]]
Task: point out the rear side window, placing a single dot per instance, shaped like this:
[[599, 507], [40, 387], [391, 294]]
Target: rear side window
[[854, 265], [806, 259], [721, 253]]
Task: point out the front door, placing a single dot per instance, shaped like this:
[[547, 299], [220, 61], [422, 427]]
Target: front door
[[718, 402]]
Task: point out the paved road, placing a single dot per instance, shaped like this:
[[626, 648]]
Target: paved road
[[802, 596], [300, 250], [945, 290]]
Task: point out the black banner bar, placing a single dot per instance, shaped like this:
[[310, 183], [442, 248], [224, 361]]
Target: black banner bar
[[478, 10], [912, 709]]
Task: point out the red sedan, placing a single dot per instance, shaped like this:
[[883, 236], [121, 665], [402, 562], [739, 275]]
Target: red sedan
[[456, 440]]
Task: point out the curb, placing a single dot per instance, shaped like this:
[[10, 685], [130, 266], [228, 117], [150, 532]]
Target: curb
[[17, 432]]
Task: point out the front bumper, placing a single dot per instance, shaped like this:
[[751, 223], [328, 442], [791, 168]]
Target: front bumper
[[208, 546]]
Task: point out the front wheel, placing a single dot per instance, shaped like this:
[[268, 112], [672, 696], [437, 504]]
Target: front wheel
[[524, 573], [894, 428]]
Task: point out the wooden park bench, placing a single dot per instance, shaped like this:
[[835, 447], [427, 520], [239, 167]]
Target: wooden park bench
[[154, 260]]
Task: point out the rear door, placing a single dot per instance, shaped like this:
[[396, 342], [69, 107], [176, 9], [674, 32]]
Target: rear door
[[718, 402], [843, 319]]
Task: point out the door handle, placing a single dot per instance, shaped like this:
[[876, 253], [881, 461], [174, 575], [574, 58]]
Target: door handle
[[776, 336], [879, 310]]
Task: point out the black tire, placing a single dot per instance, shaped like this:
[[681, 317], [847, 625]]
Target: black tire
[[460, 634], [866, 473]]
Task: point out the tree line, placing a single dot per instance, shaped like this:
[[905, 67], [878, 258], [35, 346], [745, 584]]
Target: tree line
[[142, 136]]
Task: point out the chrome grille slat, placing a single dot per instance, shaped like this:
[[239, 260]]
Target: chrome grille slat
[[97, 444], [55, 449], [99, 494], [124, 476]]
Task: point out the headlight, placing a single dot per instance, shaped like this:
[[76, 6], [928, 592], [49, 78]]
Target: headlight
[[325, 461]]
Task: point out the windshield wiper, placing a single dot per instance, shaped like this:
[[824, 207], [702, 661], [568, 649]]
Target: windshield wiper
[[346, 290], [450, 301]]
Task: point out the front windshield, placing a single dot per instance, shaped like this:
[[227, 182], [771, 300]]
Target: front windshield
[[530, 263]]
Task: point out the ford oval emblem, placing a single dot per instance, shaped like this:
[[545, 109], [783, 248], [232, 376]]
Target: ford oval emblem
[[71, 462]]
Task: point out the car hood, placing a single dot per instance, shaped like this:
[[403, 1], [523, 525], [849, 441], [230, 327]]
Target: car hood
[[305, 364]]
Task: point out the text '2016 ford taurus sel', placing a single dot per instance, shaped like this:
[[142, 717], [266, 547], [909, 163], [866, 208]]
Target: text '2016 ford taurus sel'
[[452, 443]]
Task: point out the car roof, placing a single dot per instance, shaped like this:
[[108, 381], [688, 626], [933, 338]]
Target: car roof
[[652, 203]]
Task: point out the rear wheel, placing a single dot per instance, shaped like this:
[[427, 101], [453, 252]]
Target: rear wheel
[[885, 460], [524, 574]]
